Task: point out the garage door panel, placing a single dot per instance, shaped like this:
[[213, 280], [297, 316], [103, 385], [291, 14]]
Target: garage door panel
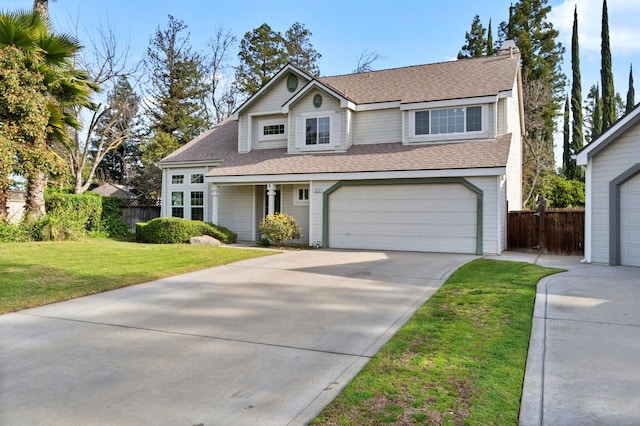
[[630, 222], [437, 218]]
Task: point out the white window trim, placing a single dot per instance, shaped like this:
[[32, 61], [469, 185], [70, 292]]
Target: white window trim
[[334, 132], [263, 123], [296, 200], [446, 136]]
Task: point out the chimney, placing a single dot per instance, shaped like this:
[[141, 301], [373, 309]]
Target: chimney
[[508, 48]]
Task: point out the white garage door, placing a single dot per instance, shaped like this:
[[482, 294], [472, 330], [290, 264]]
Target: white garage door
[[630, 222], [429, 218]]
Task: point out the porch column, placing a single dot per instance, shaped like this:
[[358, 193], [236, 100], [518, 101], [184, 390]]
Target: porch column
[[215, 193], [271, 198]]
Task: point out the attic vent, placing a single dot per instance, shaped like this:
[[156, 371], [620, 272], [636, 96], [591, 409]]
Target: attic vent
[[292, 83], [317, 101]]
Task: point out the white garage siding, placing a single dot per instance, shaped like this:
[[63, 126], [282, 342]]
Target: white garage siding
[[630, 222], [429, 217]]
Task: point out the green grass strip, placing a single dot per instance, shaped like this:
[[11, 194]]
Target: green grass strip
[[460, 360], [33, 274]]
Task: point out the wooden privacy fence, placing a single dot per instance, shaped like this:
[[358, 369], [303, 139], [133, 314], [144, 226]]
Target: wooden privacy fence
[[140, 210], [554, 231]]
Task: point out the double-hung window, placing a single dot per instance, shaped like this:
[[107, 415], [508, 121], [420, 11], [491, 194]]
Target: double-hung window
[[177, 204], [448, 120], [317, 131], [197, 205]]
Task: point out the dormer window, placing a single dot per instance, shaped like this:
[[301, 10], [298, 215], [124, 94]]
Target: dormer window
[[448, 120]]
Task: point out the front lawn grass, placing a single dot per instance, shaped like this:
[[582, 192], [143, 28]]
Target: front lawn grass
[[33, 274], [460, 360]]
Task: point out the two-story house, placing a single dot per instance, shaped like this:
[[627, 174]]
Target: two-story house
[[421, 158]]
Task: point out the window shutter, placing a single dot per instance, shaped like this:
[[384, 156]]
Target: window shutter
[[299, 135], [336, 135]]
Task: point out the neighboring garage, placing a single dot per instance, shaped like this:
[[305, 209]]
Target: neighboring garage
[[630, 222], [612, 193], [429, 215]]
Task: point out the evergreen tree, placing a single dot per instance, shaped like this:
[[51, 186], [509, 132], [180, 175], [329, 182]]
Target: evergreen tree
[[631, 101], [543, 83], [592, 118], [177, 85], [606, 74], [577, 138], [596, 129], [567, 168], [300, 51], [475, 41], [490, 48], [262, 54]]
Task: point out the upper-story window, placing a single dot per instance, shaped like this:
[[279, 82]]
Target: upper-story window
[[317, 131], [177, 179], [197, 178], [272, 129], [448, 120]]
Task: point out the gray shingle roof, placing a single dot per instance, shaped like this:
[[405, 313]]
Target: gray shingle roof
[[424, 83], [220, 144]]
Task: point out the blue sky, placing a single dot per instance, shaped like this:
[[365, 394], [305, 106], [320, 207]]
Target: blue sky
[[404, 32]]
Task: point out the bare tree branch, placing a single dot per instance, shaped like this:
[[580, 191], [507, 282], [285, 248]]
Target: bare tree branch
[[366, 61], [223, 95]]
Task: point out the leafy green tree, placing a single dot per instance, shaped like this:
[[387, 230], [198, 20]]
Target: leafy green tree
[[563, 193], [543, 84], [23, 114], [300, 51], [577, 138], [476, 41], [631, 96], [66, 88], [262, 54], [606, 74]]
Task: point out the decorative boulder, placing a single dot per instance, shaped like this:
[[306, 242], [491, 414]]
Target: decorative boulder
[[204, 240]]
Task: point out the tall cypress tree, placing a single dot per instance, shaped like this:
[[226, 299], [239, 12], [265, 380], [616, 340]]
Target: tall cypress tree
[[631, 101], [606, 74], [567, 168], [577, 138], [490, 49], [596, 129]]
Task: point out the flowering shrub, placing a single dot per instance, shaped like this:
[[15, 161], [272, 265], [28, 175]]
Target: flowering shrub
[[279, 228]]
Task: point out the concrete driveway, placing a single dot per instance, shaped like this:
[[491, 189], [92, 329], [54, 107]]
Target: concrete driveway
[[264, 341]]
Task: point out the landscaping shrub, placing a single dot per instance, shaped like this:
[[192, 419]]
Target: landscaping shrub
[[12, 233], [111, 222], [280, 228], [58, 225], [171, 230], [86, 208]]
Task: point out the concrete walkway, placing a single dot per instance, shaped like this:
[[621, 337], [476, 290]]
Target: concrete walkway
[[266, 341], [583, 366]]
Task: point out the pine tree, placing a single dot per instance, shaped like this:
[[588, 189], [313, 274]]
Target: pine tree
[[177, 84], [567, 168], [606, 74], [577, 138], [543, 84], [262, 54], [300, 51], [631, 101], [475, 41], [490, 49]]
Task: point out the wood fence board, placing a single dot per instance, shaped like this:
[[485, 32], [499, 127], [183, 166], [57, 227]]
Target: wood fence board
[[554, 231]]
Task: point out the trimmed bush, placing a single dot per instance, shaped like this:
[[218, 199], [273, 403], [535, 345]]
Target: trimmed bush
[[86, 208], [111, 222], [172, 230], [280, 228]]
